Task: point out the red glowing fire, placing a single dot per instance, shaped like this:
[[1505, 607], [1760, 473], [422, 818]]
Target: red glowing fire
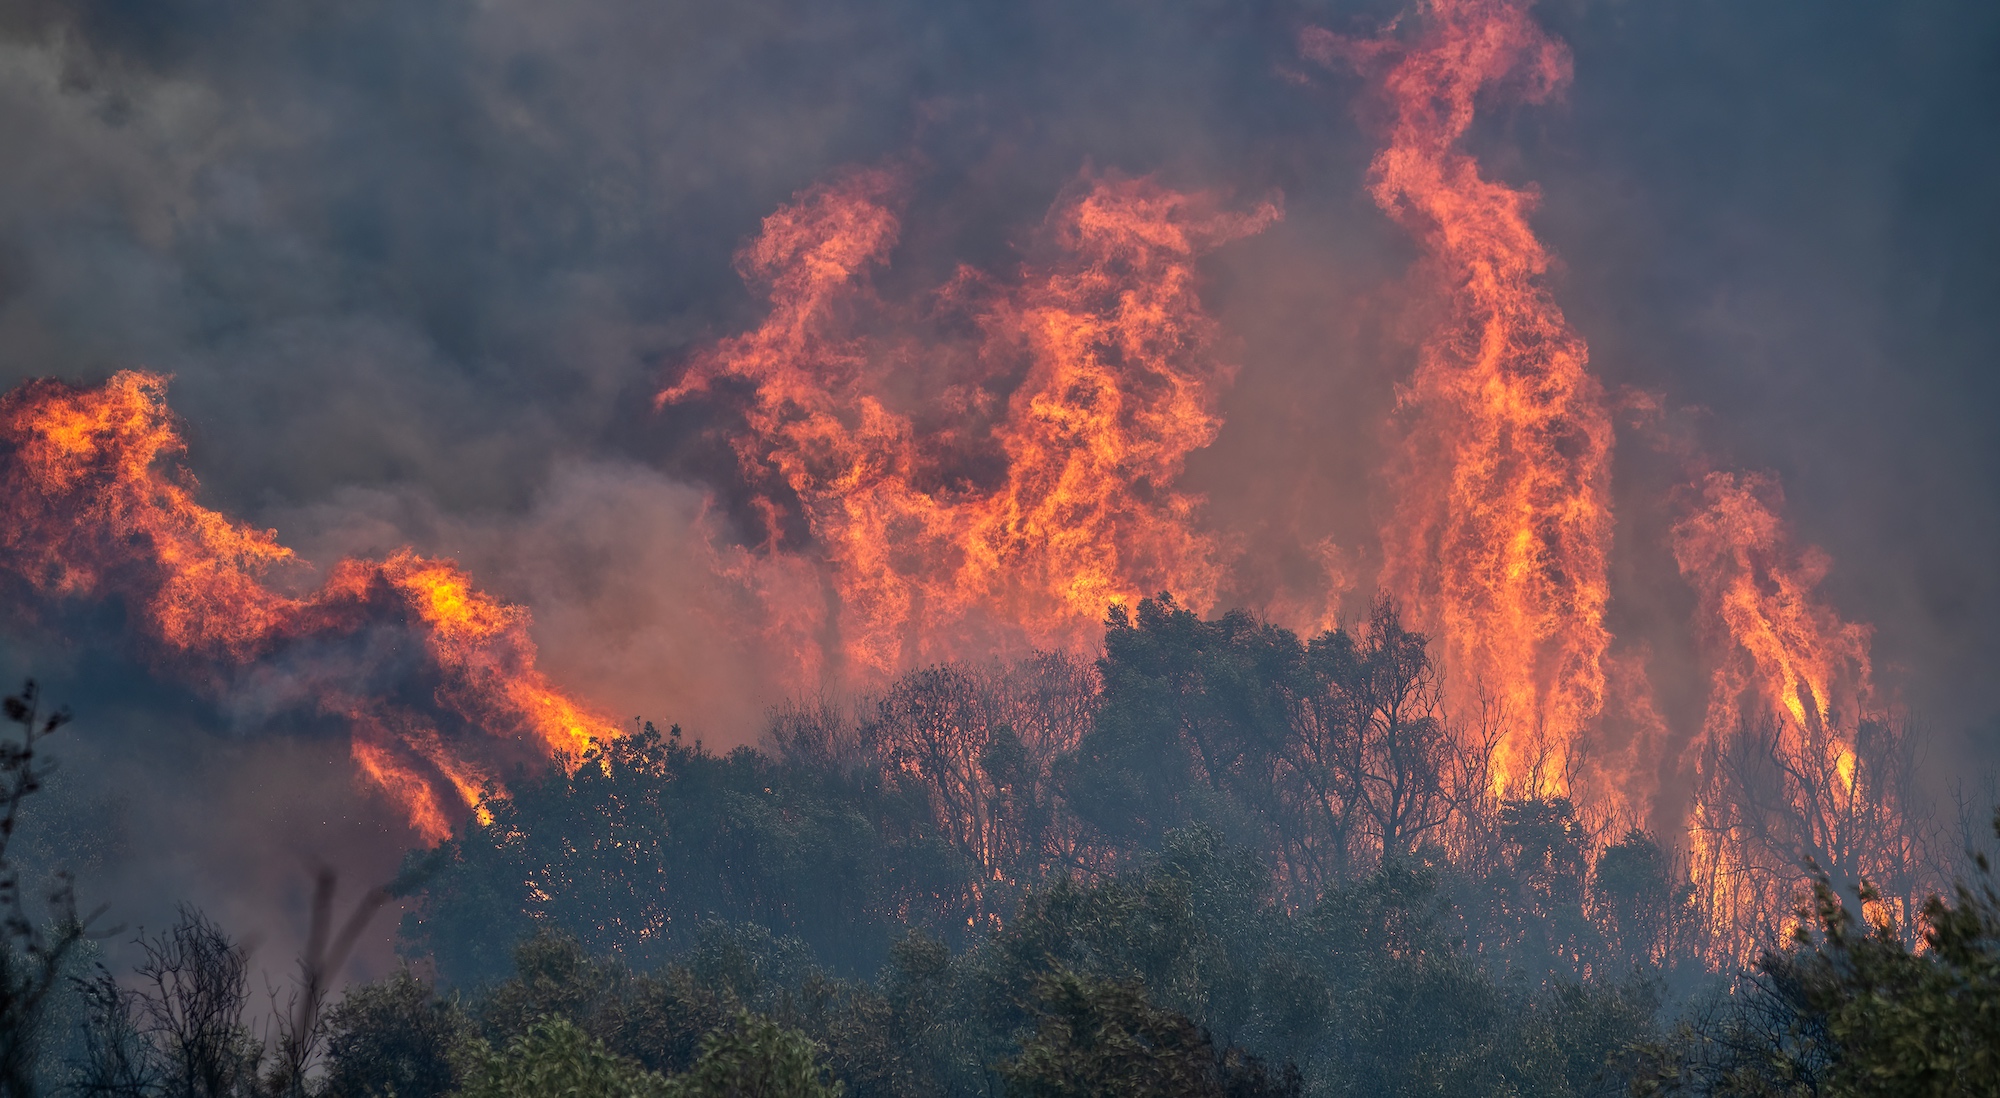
[[1084, 386], [995, 462], [95, 507], [1502, 526]]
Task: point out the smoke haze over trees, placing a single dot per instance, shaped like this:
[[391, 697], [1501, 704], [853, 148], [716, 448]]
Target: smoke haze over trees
[[664, 919], [489, 282]]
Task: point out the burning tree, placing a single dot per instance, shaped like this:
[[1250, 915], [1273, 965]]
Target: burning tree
[[1795, 774], [1499, 534], [1777, 804], [981, 744]]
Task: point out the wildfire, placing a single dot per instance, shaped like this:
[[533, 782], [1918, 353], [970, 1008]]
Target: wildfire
[[1029, 483], [992, 463], [1779, 649], [1501, 522], [94, 507], [1790, 768]]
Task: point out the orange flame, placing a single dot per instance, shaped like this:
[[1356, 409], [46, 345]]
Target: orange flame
[[1790, 683], [1502, 523], [1034, 485], [993, 463], [83, 485], [93, 507], [1781, 648]]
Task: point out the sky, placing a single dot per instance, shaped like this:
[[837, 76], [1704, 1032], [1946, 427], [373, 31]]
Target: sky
[[417, 269]]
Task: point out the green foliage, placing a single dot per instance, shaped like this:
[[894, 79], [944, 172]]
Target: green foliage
[[1647, 913], [1184, 972], [662, 1019], [651, 838], [1534, 894], [394, 1038], [756, 1057], [1190, 711], [1327, 756], [1369, 992], [1247, 826], [1852, 1010], [555, 1059], [1904, 1022], [1245, 850], [1233, 855], [1194, 925], [1896, 1021], [960, 790], [1095, 1038]]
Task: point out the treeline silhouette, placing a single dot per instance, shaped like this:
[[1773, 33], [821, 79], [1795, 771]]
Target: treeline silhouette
[[1220, 860], [942, 803]]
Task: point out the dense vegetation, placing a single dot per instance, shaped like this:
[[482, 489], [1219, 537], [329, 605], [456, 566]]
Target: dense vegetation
[[1223, 860]]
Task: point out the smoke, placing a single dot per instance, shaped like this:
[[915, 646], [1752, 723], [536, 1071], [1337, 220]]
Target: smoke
[[614, 559], [1783, 247], [417, 270]]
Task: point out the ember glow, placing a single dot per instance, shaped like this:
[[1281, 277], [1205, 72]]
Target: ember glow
[[95, 507]]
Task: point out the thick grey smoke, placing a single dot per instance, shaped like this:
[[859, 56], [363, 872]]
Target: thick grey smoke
[[417, 268]]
